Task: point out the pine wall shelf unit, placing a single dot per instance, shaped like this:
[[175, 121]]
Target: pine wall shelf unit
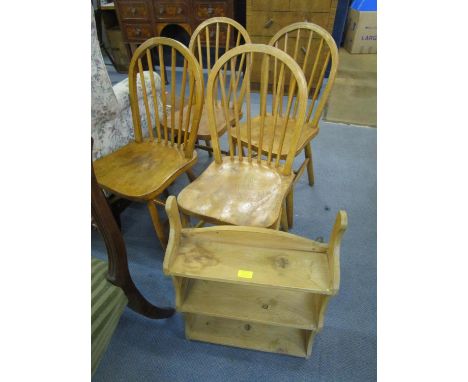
[[252, 288]]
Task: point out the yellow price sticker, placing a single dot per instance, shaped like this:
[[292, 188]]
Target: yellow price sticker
[[244, 274]]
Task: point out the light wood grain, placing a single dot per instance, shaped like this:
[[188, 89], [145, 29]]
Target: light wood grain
[[231, 190], [287, 269], [235, 192], [273, 132], [275, 339], [250, 303], [252, 287], [276, 259], [203, 128], [215, 25], [314, 49], [143, 169]]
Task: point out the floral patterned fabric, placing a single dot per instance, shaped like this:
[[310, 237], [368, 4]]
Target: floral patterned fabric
[[111, 116], [122, 92]]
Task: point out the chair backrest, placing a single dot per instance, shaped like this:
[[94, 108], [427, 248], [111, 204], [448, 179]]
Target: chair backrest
[[257, 54], [174, 93], [314, 49], [220, 34]]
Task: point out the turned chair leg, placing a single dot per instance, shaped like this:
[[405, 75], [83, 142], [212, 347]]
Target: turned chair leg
[[191, 175], [208, 144], [284, 218], [290, 208], [185, 220], [158, 226], [310, 167]]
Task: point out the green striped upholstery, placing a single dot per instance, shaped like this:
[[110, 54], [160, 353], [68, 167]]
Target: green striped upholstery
[[107, 305]]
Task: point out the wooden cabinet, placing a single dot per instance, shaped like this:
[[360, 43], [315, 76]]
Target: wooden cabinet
[[266, 17], [134, 11], [142, 19], [170, 11]]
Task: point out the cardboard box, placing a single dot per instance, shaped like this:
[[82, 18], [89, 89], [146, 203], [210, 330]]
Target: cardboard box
[[361, 27]]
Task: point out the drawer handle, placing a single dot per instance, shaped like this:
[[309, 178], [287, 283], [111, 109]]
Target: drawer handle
[[179, 10], [303, 49], [133, 10], [210, 10], [138, 31], [212, 34], [161, 10], [268, 23]]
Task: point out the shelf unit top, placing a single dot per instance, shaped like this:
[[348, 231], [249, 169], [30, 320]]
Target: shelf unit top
[[255, 256]]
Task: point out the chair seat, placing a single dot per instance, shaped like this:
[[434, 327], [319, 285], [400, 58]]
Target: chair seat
[[203, 128], [308, 132], [141, 170], [237, 192]]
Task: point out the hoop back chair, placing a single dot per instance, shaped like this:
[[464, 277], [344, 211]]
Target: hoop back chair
[[243, 189], [143, 169], [218, 33], [314, 49]]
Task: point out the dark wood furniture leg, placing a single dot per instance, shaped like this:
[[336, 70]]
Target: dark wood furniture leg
[[117, 206], [118, 273]]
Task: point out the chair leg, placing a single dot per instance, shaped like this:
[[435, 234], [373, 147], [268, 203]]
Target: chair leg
[[208, 144], [185, 220], [191, 175], [158, 227], [290, 207], [310, 167], [284, 218]]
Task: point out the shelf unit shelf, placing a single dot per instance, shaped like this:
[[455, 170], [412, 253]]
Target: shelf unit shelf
[[251, 287], [252, 303], [246, 335]]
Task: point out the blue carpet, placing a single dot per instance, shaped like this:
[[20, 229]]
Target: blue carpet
[[146, 350]]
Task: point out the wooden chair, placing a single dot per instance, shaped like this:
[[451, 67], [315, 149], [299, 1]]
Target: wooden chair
[[143, 169], [241, 189], [314, 49], [112, 287], [223, 31]]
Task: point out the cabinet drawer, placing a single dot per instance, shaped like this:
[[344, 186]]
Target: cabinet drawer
[[292, 5], [205, 10], [133, 11], [137, 32], [269, 5], [310, 5], [170, 11], [260, 23]]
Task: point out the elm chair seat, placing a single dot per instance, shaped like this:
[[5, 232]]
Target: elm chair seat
[[141, 171], [237, 192], [274, 132]]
